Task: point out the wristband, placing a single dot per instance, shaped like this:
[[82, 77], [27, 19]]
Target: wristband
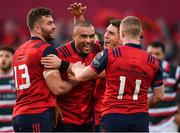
[[64, 65]]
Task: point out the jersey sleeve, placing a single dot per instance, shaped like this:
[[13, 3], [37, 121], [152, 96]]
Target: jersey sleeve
[[63, 52], [47, 51], [50, 50], [100, 61], [158, 79]]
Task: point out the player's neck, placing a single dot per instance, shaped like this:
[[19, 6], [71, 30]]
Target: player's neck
[[5, 72], [36, 35], [134, 41]]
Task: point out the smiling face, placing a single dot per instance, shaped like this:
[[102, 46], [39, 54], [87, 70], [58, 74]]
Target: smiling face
[[111, 36], [84, 38]]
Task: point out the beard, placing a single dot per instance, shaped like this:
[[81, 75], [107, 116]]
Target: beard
[[47, 35], [5, 68]]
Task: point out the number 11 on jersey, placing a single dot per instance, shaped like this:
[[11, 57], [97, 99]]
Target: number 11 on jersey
[[122, 87]]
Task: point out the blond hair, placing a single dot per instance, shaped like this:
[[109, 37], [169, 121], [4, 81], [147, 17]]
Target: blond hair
[[131, 26]]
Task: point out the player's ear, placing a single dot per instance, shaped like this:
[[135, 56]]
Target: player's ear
[[141, 35], [37, 28], [122, 34], [73, 36]]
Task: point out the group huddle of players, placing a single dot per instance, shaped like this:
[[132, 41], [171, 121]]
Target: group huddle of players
[[87, 85]]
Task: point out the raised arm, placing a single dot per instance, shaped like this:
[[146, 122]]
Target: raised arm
[[77, 10]]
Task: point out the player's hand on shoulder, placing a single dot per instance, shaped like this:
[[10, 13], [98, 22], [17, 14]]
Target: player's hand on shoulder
[[77, 9], [51, 61]]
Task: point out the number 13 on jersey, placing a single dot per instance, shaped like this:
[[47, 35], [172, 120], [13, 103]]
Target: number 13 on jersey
[[24, 75]]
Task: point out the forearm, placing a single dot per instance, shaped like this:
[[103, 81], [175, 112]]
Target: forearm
[[66, 86], [55, 83], [177, 119], [78, 74], [78, 18], [84, 74], [152, 101], [101, 75], [157, 96]]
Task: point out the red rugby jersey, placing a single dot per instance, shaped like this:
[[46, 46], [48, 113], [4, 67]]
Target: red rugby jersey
[[98, 99], [77, 105], [33, 95], [130, 71]]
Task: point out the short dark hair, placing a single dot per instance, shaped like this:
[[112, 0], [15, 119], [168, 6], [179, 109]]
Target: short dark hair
[[115, 22], [6, 48], [83, 24], [158, 44], [99, 36], [35, 14]]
